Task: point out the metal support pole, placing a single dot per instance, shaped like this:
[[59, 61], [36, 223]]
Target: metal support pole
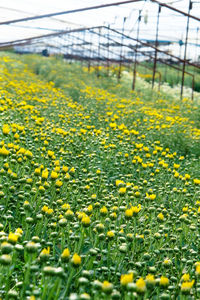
[[180, 51], [98, 74], [108, 43], [197, 36], [81, 36], [90, 52], [185, 50], [192, 87], [135, 62], [71, 39], [121, 49], [156, 45], [74, 46], [83, 54], [180, 48]]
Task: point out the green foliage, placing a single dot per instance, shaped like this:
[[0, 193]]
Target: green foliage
[[172, 76], [99, 185]]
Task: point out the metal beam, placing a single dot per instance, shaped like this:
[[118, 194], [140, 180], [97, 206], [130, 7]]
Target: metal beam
[[22, 41], [131, 47], [155, 48], [185, 50], [68, 12], [17, 42], [175, 9]]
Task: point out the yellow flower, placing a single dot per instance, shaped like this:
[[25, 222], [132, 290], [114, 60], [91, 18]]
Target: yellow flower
[[103, 210], [128, 213], [151, 196], [72, 170], [164, 281], [13, 237], [57, 169], [4, 151], [65, 169], [113, 125], [136, 209], [57, 163], [19, 231], [45, 174], [160, 217], [41, 188], [141, 285], [54, 175], [65, 254], [130, 236], [110, 234], [37, 171], [167, 262], [187, 176], [86, 220], [29, 153], [65, 206], [198, 270], [150, 280], [122, 190], [185, 209], [67, 176], [59, 183], [80, 214], [29, 180], [45, 208], [50, 153], [126, 278], [176, 174], [16, 136], [49, 211], [76, 259], [176, 166], [186, 286], [115, 208], [69, 214], [90, 208], [113, 215], [196, 181], [45, 253], [118, 182], [6, 129], [107, 287], [185, 277]]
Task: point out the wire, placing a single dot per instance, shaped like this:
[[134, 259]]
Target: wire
[[131, 30], [34, 27], [172, 2]]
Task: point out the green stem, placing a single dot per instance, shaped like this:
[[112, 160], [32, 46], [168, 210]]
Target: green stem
[[66, 291]]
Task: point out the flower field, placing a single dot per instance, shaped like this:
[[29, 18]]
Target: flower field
[[99, 192]]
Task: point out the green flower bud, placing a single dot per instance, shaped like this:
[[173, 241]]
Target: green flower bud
[[5, 259]]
